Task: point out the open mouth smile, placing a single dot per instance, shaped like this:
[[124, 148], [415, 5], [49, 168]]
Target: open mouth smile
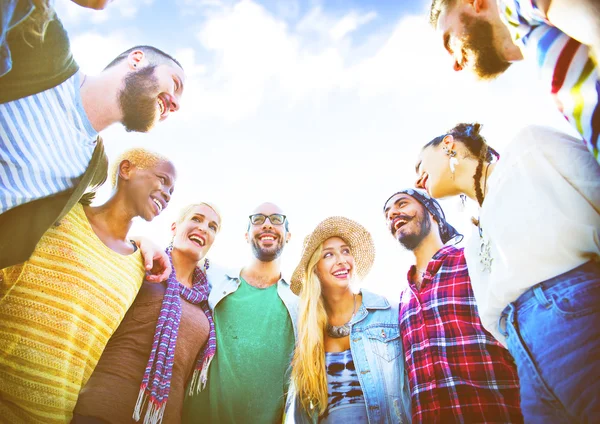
[[198, 240], [159, 205]]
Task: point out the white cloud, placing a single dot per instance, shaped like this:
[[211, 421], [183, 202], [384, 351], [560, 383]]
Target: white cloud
[[321, 124]]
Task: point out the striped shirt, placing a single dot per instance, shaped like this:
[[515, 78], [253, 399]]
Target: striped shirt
[[565, 66], [57, 313], [458, 372], [46, 144]]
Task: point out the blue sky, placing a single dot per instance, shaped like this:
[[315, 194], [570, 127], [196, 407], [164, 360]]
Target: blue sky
[[319, 106]]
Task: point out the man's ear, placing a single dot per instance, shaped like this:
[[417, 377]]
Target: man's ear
[[246, 236], [288, 235], [136, 60]]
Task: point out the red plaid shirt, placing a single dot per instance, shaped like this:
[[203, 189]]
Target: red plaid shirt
[[458, 372]]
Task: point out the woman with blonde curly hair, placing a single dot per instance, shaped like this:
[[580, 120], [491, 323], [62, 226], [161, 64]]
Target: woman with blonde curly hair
[[348, 363]]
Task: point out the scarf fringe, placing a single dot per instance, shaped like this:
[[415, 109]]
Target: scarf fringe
[[139, 404], [154, 412], [200, 377]]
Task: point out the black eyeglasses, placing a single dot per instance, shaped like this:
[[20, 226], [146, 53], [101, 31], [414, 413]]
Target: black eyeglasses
[[259, 219]]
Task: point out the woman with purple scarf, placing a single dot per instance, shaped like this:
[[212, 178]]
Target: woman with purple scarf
[[166, 339]]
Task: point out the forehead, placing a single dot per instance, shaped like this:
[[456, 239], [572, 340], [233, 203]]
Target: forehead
[[205, 210], [398, 197], [332, 242], [165, 167], [170, 68], [449, 17], [268, 209]]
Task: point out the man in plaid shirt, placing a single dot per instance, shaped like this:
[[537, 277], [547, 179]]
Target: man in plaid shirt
[[458, 372]]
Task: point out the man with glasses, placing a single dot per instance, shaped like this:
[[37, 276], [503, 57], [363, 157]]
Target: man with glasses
[[255, 320]]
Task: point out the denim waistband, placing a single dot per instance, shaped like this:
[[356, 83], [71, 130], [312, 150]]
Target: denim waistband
[[589, 266]]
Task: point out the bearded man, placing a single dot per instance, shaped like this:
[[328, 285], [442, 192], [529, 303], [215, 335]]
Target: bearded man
[[457, 371], [50, 117], [255, 320]]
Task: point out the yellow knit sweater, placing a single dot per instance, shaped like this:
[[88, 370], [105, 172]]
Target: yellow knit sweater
[[57, 312]]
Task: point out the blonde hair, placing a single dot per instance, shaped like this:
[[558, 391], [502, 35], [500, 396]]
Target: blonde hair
[[308, 363], [140, 158], [186, 210]]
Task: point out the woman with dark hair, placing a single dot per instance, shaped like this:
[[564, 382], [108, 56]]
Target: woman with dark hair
[[166, 339], [348, 364], [532, 258], [59, 308]]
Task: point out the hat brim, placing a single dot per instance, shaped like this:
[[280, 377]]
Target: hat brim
[[358, 238]]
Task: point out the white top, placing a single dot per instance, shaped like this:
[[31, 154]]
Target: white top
[[541, 217], [46, 144]]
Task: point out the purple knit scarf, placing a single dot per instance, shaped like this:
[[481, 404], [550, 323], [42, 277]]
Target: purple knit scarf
[[156, 383]]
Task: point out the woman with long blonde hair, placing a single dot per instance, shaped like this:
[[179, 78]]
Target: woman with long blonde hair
[[348, 362]]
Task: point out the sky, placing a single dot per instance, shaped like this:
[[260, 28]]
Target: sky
[[318, 106]]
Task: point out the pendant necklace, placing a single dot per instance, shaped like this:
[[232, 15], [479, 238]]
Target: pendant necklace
[[485, 250], [339, 331]]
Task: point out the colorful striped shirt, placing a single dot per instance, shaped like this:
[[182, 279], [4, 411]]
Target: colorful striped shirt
[[565, 66], [458, 372], [46, 144], [57, 313]]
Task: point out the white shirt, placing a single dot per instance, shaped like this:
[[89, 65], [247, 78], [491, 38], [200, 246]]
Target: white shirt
[[541, 217]]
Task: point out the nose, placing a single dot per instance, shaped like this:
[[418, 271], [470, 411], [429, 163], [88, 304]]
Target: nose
[[174, 104], [419, 182], [457, 66], [267, 223], [166, 195]]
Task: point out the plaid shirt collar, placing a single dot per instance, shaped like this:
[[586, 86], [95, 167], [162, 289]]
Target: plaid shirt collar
[[433, 266]]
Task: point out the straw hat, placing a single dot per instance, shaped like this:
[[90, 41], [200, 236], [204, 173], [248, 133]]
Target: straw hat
[[357, 237]]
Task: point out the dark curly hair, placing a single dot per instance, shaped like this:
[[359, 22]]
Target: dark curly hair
[[469, 135]]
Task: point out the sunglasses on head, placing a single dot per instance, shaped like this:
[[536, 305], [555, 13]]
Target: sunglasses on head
[[259, 219]]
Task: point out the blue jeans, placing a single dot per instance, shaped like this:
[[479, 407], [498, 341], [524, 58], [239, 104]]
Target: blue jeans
[[553, 332]]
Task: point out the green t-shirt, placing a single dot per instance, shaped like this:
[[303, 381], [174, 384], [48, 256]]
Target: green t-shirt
[[248, 377]]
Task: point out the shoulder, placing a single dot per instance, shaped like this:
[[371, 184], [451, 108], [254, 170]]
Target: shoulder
[[537, 143], [521, 12], [218, 274]]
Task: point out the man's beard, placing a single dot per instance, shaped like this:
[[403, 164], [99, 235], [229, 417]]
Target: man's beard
[[267, 254], [479, 45], [412, 240], [138, 100]]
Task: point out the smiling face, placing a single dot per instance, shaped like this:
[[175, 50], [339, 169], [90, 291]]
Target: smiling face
[[336, 265], [471, 40], [195, 233], [148, 189], [149, 95], [407, 220], [267, 239]]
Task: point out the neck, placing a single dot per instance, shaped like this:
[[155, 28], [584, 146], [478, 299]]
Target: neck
[[338, 302], [509, 50], [184, 267], [262, 273], [464, 180], [427, 248], [113, 218], [99, 96]]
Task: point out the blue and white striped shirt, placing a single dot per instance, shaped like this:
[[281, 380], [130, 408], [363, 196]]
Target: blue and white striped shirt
[[46, 144]]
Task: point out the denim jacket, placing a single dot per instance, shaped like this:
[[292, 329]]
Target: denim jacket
[[376, 348], [224, 283]]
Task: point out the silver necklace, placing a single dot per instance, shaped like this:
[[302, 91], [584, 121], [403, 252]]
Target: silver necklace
[[339, 331], [485, 250]]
